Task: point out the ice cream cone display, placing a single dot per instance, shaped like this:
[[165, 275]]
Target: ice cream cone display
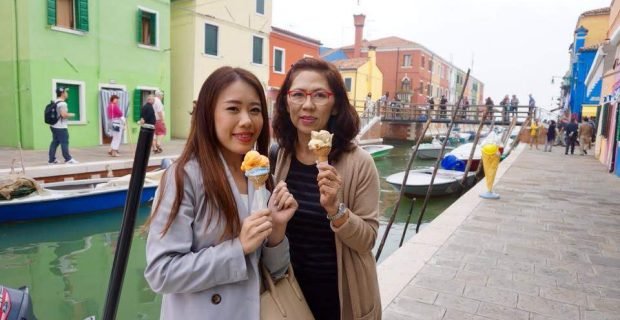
[[321, 144], [256, 167], [490, 163]]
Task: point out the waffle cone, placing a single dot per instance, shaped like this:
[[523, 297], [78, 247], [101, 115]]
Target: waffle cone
[[259, 180], [490, 163], [322, 153]]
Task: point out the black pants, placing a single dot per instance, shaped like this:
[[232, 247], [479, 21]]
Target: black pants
[[570, 143], [59, 137]]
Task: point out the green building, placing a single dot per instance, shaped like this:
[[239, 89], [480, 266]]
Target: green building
[[92, 47]]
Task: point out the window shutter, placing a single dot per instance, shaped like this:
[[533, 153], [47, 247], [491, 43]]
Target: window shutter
[[153, 27], [51, 12], [211, 39], [257, 54], [277, 64], [137, 104], [82, 15], [139, 26]]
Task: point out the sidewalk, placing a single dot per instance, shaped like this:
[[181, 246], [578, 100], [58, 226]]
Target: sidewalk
[[548, 249], [92, 159]]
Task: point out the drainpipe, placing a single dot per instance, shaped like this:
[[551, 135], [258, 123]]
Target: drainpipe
[[19, 105]]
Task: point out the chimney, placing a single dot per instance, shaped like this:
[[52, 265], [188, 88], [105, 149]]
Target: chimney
[[358, 21]]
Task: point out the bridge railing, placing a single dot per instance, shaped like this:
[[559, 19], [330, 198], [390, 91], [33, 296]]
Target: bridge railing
[[396, 111]]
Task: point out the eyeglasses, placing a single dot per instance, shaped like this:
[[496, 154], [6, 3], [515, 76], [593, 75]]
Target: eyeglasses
[[319, 97]]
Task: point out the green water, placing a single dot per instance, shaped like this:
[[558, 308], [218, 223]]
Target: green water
[[66, 261]]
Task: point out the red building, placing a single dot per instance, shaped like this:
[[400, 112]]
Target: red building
[[286, 48]]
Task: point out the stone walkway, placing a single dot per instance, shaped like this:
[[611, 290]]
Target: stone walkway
[[548, 249]]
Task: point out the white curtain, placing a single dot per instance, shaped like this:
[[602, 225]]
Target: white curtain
[[104, 100]]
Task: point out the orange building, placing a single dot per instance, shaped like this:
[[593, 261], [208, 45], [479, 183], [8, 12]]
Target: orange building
[[285, 49]]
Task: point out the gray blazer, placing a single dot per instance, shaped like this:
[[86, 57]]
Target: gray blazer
[[200, 276]]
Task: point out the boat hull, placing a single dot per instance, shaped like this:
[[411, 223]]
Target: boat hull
[[58, 205], [378, 150], [446, 182], [431, 154]]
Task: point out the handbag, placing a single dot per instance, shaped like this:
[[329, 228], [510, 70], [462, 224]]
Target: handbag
[[283, 298], [116, 125]]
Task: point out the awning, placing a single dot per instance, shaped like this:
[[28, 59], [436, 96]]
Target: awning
[[588, 110]]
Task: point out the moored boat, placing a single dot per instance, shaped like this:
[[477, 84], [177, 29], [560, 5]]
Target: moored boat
[[446, 181], [378, 150], [75, 197]]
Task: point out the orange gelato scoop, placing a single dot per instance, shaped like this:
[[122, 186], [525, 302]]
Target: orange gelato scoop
[[252, 160]]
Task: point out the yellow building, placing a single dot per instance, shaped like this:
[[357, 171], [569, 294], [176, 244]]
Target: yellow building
[[361, 76], [206, 35], [597, 23]]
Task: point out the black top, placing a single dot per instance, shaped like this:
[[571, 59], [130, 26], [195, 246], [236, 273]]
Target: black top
[[148, 113], [551, 132], [312, 243]]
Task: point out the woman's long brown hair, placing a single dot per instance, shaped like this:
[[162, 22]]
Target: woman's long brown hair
[[202, 145]]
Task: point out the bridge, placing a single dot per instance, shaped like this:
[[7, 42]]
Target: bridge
[[473, 114]]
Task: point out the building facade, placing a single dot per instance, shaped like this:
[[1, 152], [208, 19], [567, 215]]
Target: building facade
[[361, 77], [209, 34], [79, 45], [285, 49]]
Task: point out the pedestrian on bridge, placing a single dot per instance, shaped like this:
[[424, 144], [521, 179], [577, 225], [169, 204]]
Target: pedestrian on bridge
[[488, 114], [514, 103], [505, 104]]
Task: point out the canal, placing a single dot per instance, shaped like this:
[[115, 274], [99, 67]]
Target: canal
[[66, 261]]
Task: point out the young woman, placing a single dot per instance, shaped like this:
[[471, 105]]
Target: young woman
[[117, 123], [204, 245], [334, 230]]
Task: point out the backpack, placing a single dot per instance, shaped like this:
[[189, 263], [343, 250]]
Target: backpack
[[51, 113]]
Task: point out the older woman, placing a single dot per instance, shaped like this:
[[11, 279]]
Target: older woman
[[332, 233]]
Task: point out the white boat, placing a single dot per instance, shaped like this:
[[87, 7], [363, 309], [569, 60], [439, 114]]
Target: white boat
[[429, 151], [378, 150], [446, 181]]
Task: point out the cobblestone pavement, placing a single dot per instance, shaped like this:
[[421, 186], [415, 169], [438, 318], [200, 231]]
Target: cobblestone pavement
[[548, 249]]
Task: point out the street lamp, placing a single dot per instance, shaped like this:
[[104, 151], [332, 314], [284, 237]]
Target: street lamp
[[553, 79]]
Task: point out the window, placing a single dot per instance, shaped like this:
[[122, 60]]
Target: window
[[347, 84], [407, 60], [429, 89], [421, 89], [423, 63], [430, 65], [257, 50], [405, 85], [147, 27], [260, 6], [278, 60], [75, 101], [68, 14], [211, 33]]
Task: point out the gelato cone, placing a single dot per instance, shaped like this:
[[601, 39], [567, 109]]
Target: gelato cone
[[321, 144], [256, 167], [490, 163]]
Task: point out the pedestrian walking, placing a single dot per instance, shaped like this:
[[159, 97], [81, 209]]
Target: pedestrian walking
[[551, 133], [531, 107], [443, 107], [205, 240], [60, 131], [488, 113], [431, 107], [116, 119], [160, 121], [333, 232], [585, 136], [514, 105], [505, 104], [571, 135], [465, 108], [534, 132]]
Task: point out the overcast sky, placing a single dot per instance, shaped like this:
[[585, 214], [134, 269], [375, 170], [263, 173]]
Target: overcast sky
[[516, 45]]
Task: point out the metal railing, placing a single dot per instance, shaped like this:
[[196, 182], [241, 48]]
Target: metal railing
[[397, 111]]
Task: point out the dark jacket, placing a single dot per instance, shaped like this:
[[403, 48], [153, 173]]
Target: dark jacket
[[551, 132], [148, 113], [571, 130]]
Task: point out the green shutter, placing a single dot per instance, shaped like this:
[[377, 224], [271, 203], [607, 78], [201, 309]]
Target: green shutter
[[153, 28], [211, 39], [51, 12], [137, 104], [139, 26], [257, 54], [277, 61], [82, 14]]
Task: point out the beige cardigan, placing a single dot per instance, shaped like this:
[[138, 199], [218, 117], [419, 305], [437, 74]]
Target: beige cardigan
[[358, 287]]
